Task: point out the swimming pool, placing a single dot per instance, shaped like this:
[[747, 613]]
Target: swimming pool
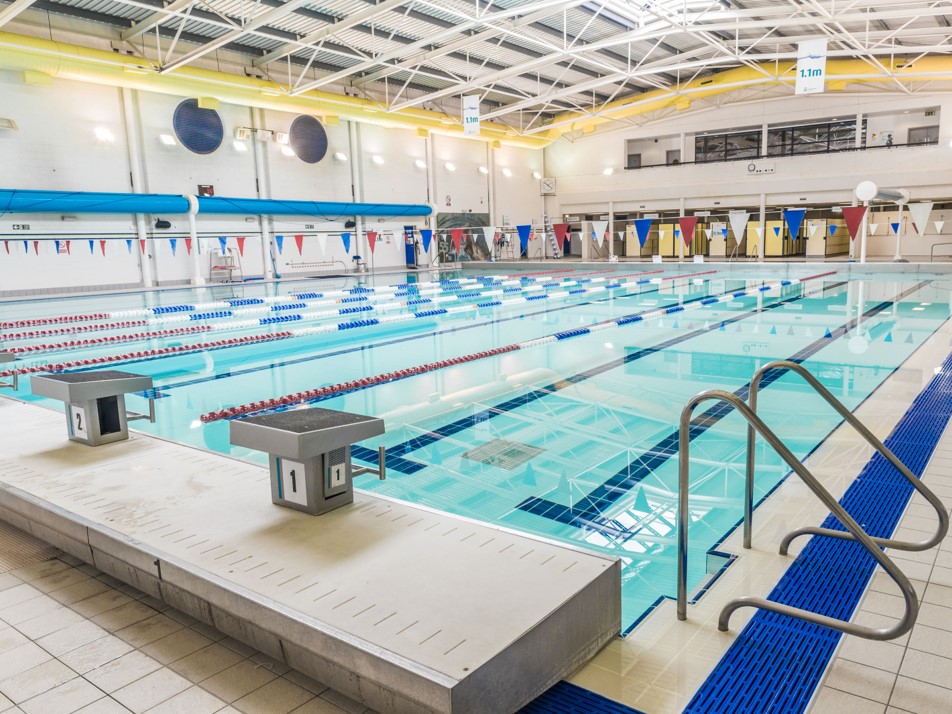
[[545, 402]]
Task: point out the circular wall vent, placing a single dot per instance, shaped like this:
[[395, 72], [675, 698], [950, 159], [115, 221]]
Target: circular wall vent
[[199, 130], [308, 139]]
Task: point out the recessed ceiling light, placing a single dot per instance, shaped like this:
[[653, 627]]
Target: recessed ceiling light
[[377, 159], [167, 139], [104, 134], [483, 170], [507, 172], [420, 164], [287, 150], [609, 171], [239, 145], [536, 175], [449, 166], [340, 156]]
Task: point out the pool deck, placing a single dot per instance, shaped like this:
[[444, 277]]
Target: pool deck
[[399, 607]]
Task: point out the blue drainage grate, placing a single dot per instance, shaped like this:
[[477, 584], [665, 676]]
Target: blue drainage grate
[[566, 698], [776, 662]]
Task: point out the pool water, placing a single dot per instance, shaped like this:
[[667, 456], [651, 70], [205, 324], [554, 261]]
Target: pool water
[[572, 436]]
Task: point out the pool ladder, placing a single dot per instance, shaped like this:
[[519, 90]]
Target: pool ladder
[[854, 531]]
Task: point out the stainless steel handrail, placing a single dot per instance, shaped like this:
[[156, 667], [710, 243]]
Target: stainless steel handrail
[[870, 438], [932, 251], [904, 624]]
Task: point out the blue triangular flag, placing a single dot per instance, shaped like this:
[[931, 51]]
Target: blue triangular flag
[[827, 335], [773, 330], [895, 227], [643, 228], [641, 502], [677, 234], [345, 238], [776, 231], [223, 242], [56, 243], [92, 246], [724, 233], [279, 241], [794, 219], [524, 236], [172, 243], [427, 235], [128, 245], [832, 230], [888, 337]]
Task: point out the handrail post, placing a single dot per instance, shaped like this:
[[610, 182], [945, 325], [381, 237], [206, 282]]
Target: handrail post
[[684, 466]]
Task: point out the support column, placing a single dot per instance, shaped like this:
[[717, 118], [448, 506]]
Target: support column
[[862, 235], [137, 178], [611, 229], [680, 241], [263, 185], [194, 263], [431, 199], [762, 238], [356, 178]]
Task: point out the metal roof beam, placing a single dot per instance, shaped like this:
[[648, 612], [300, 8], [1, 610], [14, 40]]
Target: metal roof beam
[[156, 18], [11, 11]]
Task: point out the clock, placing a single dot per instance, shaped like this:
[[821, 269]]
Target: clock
[[547, 187]]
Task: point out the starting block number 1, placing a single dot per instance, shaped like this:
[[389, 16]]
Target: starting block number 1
[[77, 422]]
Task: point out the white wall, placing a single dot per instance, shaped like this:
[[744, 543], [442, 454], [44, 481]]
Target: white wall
[[55, 149]]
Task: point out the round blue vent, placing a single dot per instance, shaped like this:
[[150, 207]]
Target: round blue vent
[[308, 139], [199, 130]]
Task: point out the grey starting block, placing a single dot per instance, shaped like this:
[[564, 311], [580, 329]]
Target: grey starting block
[[309, 454], [95, 402], [4, 358]]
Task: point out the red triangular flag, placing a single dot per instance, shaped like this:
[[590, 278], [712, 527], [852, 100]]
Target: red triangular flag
[[853, 215], [6, 244], [241, 245], [36, 247], [687, 224], [142, 245], [561, 230], [67, 247], [102, 246], [372, 239], [300, 243], [188, 246], [457, 234]]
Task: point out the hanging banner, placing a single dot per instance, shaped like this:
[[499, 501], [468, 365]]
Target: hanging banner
[[371, 240], [142, 245], [812, 229], [241, 245], [223, 242], [471, 115], [299, 242], [128, 245], [811, 66], [738, 221], [776, 231], [938, 226], [873, 227], [643, 228], [688, 224], [102, 247], [279, 241], [853, 215], [36, 247], [793, 217], [920, 215], [345, 239], [598, 231], [426, 235], [524, 232], [489, 234], [457, 235], [562, 235], [832, 230], [895, 228], [188, 246], [92, 246], [172, 243]]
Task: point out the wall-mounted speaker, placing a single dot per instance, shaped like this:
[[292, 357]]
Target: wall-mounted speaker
[[161, 223]]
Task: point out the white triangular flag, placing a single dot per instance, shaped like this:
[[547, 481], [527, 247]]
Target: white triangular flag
[[938, 226], [739, 223], [489, 232], [920, 215], [661, 233], [321, 244], [872, 228], [710, 232], [598, 231], [759, 231], [621, 235], [812, 228]]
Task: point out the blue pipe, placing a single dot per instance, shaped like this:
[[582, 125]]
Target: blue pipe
[[18, 201]]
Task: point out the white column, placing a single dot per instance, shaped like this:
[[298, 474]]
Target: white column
[[195, 266], [680, 240], [761, 240], [611, 226], [263, 182], [137, 178], [356, 178], [862, 235]]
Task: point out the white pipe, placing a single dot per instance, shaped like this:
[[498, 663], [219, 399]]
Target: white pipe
[[136, 175], [862, 235], [356, 178], [195, 267], [263, 184]]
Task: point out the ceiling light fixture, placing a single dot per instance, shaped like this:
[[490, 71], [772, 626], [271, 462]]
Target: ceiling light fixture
[[377, 159], [104, 134], [420, 164], [167, 139], [340, 156], [449, 166], [609, 171], [507, 172], [483, 170], [536, 175], [240, 146], [287, 150]]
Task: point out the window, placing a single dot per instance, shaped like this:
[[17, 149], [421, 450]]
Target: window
[[632, 155], [672, 157], [814, 138], [727, 147], [923, 135]]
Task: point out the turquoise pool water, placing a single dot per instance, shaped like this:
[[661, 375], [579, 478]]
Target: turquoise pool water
[[572, 436]]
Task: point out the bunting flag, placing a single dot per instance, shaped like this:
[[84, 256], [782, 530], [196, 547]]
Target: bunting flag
[[524, 232], [643, 228], [299, 242], [562, 235], [489, 234], [776, 231], [920, 215], [598, 231], [677, 233], [724, 232], [738, 221], [759, 231], [172, 242], [56, 244], [873, 227], [793, 217], [812, 229], [36, 247], [241, 245], [141, 245], [6, 244], [345, 239], [832, 230], [321, 244], [662, 233], [371, 240], [223, 242], [92, 246], [621, 235], [67, 247], [938, 226], [128, 245], [188, 246], [426, 235], [279, 242], [457, 235], [853, 215], [709, 232], [895, 228], [688, 224], [102, 247]]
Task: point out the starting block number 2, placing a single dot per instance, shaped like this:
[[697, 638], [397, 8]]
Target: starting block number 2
[[77, 422]]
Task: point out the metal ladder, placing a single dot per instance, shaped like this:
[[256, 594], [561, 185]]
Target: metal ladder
[[755, 425], [550, 234]]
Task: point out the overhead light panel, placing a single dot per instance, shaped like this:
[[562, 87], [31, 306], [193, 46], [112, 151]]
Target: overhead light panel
[[287, 150], [167, 139], [449, 166], [240, 146], [8, 124], [483, 170], [507, 172], [609, 171], [281, 137], [420, 164], [105, 135], [377, 159], [536, 175], [340, 156]]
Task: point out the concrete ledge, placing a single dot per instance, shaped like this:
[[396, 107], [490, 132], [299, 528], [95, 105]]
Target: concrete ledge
[[402, 608]]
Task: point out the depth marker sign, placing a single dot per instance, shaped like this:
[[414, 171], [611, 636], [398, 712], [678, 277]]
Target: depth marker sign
[[811, 66], [471, 114]]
